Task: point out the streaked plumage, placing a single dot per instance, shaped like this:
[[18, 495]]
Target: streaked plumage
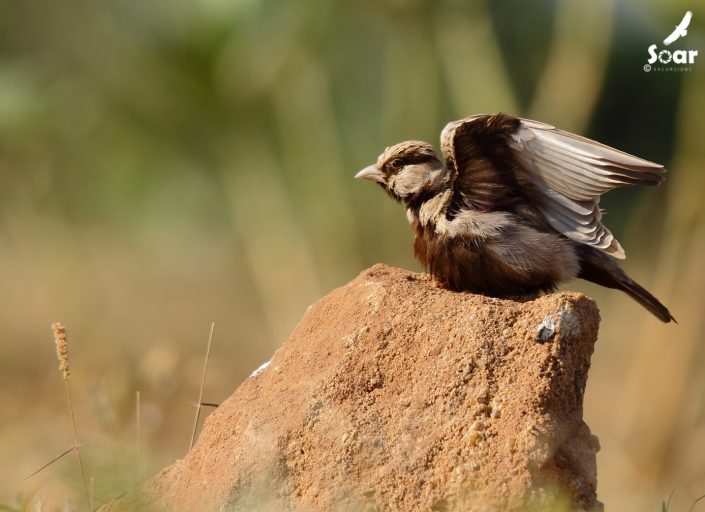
[[514, 208]]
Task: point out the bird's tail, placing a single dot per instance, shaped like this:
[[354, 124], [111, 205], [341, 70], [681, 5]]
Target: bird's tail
[[603, 270], [646, 299]]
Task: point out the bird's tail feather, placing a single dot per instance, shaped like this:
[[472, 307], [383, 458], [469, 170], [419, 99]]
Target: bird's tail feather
[[643, 297], [599, 268]]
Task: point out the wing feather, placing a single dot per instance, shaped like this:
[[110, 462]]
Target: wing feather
[[569, 171], [577, 169]]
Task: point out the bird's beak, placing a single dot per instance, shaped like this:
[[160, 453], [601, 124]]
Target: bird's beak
[[370, 173]]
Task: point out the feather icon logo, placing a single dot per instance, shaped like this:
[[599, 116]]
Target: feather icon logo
[[676, 60]]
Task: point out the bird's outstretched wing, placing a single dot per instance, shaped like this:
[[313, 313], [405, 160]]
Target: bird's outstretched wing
[[680, 30], [493, 155], [479, 182]]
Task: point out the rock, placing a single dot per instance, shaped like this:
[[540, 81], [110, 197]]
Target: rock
[[393, 394]]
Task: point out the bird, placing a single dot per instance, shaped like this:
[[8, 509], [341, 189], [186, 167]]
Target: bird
[[680, 30], [513, 207]]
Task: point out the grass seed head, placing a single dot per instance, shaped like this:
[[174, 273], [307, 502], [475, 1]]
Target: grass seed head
[[62, 349]]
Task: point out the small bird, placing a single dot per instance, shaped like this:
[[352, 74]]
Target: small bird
[[680, 30], [513, 210]]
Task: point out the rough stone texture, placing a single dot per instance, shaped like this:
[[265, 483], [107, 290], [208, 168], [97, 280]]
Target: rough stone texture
[[392, 394]]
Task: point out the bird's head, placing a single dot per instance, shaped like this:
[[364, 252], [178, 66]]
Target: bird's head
[[407, 171]]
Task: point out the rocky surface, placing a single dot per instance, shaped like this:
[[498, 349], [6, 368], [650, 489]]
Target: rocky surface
[[392, 394]]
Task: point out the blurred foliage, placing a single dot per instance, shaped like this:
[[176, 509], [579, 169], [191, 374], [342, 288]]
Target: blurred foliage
[[166, 164]]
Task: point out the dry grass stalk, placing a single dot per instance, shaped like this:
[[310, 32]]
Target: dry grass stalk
[[695, 503], [200, 393], [62, 352], [139, 435], [91, 494], [58, 457]]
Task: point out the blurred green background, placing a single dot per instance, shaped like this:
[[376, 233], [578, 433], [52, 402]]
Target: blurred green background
[[168, 164]]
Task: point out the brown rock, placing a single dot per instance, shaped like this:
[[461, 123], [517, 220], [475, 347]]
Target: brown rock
[[392, 394]]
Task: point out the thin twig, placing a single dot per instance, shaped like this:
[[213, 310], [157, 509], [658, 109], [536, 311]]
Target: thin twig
[[200, 393]]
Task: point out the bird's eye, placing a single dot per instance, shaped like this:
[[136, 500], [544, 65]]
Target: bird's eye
[[397, 163]]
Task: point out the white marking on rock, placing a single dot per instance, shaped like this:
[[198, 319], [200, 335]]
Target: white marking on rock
[[261, 368], [570, 323], [546, 328]]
